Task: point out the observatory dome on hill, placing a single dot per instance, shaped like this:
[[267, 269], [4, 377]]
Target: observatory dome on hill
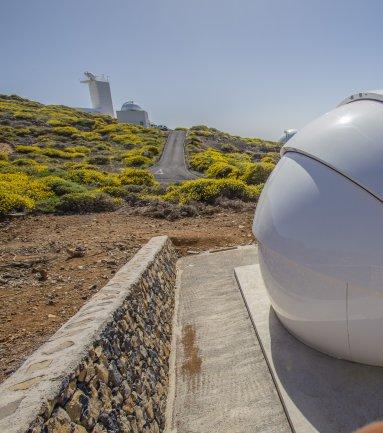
[[131, 106], [133, 113], [319, 224]]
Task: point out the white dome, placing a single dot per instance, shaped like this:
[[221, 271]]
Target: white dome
[[320, 232], [348, 139], [130, 106]]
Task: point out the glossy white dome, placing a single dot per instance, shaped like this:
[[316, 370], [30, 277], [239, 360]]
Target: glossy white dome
[[319, 223], [130, 106]]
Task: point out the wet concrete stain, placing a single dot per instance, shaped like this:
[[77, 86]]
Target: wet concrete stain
[[191, 366]]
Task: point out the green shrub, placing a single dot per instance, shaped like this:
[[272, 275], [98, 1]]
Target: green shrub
[[27, 149], [13, 202], [48, 205], [117, 191], [136, 161], [126, 138], [137, 176], [62, 186], [220, 170], [257, 173], [93, 177], [99, 160], [86, 202], [55, 122], [199, 128], [4, 156], [87, 135], [228, 148], [24, 162], [65, 130], [267, 159], [57, 153], [208, 190], [84, 123], [18, 191], [203, 160], [150, 151], [77, 149]]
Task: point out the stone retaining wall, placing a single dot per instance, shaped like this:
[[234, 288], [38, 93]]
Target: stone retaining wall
[[106, 369]]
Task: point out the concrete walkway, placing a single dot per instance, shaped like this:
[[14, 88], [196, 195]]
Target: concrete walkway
[[220, 381]]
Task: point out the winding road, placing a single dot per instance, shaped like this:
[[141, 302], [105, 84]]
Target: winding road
[[172, 165]]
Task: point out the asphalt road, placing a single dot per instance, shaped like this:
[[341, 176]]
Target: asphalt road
[[172, 166]]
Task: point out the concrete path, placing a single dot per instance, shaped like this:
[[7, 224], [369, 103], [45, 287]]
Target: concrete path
[[172, 166], [321, 394], [220, 381]]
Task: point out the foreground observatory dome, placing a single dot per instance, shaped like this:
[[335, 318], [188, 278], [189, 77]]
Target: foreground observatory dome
[[319, 223]]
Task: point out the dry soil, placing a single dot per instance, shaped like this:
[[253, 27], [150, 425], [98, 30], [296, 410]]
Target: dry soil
[[51, 265]]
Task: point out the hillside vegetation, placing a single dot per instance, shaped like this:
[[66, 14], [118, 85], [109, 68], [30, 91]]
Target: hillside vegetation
[[58, 159], [55, 158]]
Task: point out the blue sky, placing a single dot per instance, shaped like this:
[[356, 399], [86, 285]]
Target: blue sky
[[250, 67]]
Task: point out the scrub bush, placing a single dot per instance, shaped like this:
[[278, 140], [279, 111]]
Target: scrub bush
[[65, 130], [27, 149], [86, 202], [137, 176], [136, 161], [220, 170], [208, 190], [99, 160], [62, 186], [18, 191], [93, 177], [257, 173], [203, 160]]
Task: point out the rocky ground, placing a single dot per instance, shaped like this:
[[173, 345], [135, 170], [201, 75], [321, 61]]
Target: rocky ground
[[50, 265]]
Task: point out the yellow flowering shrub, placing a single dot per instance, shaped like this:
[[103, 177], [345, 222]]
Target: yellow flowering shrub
[[126, 138], [207, 190], [135, 160], [137, 176], [220, 170], [18, 191], [257, 173], [93, 177], [27, 149]]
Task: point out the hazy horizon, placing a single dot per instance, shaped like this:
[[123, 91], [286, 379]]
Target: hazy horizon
[[251, 68]]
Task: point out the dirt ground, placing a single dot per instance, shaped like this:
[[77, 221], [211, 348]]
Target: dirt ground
[[51, 265]]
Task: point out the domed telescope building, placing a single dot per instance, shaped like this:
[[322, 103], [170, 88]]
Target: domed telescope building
[[319, 224], [133, 113]]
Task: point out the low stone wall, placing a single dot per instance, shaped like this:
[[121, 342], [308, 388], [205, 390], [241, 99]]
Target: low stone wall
[[106, 369]]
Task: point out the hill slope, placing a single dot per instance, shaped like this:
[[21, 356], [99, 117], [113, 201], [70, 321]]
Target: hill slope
[[56, 159]]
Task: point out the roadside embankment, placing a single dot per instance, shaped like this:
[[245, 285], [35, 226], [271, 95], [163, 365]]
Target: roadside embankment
[[106, 369]]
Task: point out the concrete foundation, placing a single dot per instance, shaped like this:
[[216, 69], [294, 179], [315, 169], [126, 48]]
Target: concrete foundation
[[319, 393]]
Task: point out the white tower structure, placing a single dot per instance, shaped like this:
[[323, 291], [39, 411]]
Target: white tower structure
[[100, 95]]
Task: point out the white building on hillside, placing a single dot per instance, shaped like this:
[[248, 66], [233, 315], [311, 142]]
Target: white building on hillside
[[133, 113], [100, 95]]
